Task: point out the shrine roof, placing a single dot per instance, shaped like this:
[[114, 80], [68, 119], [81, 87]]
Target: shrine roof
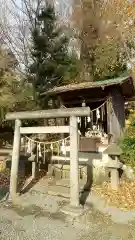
[[125, 83]]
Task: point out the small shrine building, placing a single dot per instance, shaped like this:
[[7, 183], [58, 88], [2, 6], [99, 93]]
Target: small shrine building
[[106, 100]]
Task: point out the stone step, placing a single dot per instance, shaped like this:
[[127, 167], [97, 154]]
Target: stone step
[[59, 191], [66, 183], [62, 188]]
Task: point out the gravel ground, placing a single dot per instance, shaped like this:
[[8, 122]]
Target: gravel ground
[[16, 227], [37, 216], [33, 223]]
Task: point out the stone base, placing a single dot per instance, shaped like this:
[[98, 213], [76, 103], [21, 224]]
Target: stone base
[[73, 211], [15, 200]]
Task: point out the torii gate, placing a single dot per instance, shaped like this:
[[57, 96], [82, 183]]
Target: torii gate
[[72, 129]]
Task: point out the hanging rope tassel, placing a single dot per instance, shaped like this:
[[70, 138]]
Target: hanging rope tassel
[[102, 113], [58, 148], [85, 122], [29, 147], [79, 122], [88, 119], [44, 154], [63, 149], [65, 145], [51, 147], [92, 117], [22, 142], [39, 150], [98, 114]]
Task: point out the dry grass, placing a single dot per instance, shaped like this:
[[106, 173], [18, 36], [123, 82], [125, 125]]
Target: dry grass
[[124, 198], [2, 166], [4, 178]]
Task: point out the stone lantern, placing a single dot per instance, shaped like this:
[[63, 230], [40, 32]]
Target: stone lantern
[[114, 152]]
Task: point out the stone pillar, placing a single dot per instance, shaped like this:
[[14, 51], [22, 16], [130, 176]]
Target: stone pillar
[[74, 175], [15, 159], [34, 170], [113, 166], [114, 179]]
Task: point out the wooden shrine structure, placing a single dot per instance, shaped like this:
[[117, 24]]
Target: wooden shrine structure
[[106, 100]]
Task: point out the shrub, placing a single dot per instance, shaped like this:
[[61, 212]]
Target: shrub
[[128, 145]]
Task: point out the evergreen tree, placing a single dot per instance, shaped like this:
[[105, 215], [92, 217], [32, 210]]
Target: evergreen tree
[[52, 62]]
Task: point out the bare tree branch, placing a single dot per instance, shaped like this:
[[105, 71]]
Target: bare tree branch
[[16, 24]]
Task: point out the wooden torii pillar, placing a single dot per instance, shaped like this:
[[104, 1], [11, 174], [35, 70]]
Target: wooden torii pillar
[[72, 129]]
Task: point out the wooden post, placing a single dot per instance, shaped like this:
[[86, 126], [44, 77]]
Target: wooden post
[[74, 175], [116, 115], [15, 159]]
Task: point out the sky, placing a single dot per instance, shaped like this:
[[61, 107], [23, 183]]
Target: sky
[[9, 14]]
